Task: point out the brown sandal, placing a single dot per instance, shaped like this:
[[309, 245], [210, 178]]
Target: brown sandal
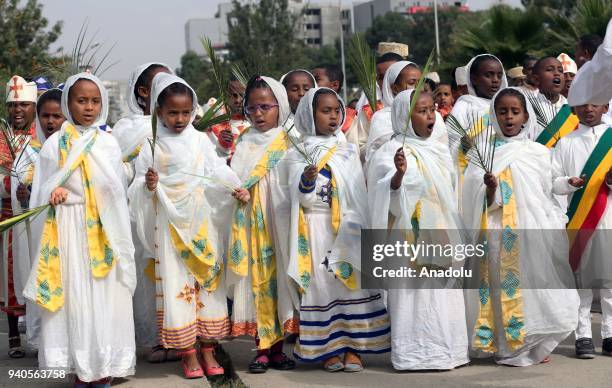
[[333, 364], [352, 362]]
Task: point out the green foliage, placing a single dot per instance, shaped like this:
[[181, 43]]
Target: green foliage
[[587, 17], [263, 36], [195, 69]]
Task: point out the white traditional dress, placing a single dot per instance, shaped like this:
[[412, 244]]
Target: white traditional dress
[[264, 299], [472, 113], [525, 304], [84, 277], [588, 151], [336, 316], [428, 328], [132, 133], [183, 222]]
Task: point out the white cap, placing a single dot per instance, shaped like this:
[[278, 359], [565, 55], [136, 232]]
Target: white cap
[[17, 89], [433, 76], [461, 76], [569, 66]]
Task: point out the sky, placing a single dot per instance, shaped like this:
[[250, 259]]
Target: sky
[[143, 30]]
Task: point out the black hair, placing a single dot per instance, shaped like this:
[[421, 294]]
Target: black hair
[[513, 93], [292, 73], [537, 65], [389, 57], [590, 43], [175, 89], [528, 59], [256, 82], [479, 61], [49, 95], [145, 78], [431, 83], [325, 91], [334, 73]]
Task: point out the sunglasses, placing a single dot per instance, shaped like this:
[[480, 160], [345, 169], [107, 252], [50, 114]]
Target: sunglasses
[[251, 109]]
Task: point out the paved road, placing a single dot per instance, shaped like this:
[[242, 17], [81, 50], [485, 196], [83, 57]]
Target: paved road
[[563, 371]]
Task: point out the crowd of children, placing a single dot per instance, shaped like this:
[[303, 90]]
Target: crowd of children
[[252, 227]]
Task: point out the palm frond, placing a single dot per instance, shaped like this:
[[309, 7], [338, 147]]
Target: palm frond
[[241, 74], [212, 117], [214, 180], [19, 218], [153, 140], [218, 73], [363, 62], [477, 141], [417, 92]]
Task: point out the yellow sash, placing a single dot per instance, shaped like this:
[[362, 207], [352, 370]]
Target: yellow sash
[[511, 297], [263, 259], [50, 294]]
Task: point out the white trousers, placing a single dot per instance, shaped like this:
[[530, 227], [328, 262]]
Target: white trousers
[[584, 313]]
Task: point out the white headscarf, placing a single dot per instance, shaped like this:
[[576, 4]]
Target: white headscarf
[[101, 119], [184, 161], [346, 168], [304, 114], [527, 127], [40, 133], [314, 81], [390, 77], [468, 67], [255, 141], [131, 132]]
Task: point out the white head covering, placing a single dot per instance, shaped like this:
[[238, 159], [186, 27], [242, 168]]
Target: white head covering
[[101, 119], [304, 115], [18, 90], [133, 105], [280, 93], [314, 81], [527, 128], [569, 65], [468, 67], [461, 76], [160, 82], [390, 77], [40, 133], [434, 76]]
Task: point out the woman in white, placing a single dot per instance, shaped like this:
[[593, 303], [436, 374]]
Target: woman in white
[[336, 316], [523, 307], [132, 133], [86, 302], [180, 221], [427, 325]]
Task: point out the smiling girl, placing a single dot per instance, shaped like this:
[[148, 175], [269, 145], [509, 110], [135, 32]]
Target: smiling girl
[[338, 320], [84, 275]]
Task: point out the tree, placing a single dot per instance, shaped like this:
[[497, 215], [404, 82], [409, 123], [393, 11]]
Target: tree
[[417, 31], [508, 33], [586, 17], [263, 36], [24, 41]]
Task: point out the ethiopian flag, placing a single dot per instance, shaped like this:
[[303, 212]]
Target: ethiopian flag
[[561, 125], [589, 203]]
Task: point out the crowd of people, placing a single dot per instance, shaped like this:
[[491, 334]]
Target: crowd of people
[[252, 227]]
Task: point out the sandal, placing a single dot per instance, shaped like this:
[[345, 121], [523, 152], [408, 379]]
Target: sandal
[[213, 370], [546, 360], [259, 364], [190, 373], [280, 361], [352, 362], [333, 364], [15, 349]]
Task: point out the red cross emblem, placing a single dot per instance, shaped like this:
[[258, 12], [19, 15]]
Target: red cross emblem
[[565, 61], [15, 87]]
